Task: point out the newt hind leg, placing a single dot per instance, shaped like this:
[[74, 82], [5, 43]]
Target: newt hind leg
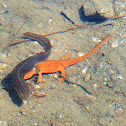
[[63, 75]]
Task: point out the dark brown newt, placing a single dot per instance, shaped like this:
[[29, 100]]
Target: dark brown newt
[[16, 77]]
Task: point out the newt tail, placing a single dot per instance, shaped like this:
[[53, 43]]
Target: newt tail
[[51, 66], [78, 59]]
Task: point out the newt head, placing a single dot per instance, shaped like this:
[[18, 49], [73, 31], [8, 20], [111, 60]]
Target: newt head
[[22, 88], [24, 91], [31, 73]]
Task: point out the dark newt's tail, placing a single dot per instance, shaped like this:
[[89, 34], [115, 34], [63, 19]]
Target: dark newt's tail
[[43, 41]]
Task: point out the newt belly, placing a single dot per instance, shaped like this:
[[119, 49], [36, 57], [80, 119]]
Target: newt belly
[[51, 66], [16, 77]]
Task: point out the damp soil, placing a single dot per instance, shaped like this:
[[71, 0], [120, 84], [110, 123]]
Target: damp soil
[[67, 104]]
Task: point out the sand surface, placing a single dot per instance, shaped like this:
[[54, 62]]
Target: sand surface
[[66, 104]]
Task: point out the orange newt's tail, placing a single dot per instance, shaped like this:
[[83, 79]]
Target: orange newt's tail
[[78, 59]]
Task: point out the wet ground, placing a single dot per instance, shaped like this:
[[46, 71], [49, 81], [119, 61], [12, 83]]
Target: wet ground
[[66, 104]]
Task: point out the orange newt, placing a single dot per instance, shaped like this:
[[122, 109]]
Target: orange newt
[[52, 66]]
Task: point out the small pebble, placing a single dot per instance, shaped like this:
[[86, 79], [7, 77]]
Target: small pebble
[[36, 42], [36, 124], [3, 55], [121, 109], [101, 65], [95, 39], [84, 70], [114, 45], [23, 112], [50, 20], [80, 54], [25, 102], [118, 3], [95, 86], [3, 11], [3, 65], [55, 75], [36, 86], [51, 41], [61, 116], [105, 79], [111, 71], [4, 5], [1, 70], [87, 107], [120, 77], [87, 77], [110, 84]]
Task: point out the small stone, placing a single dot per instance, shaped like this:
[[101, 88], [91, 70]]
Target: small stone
[[3, 11], [118, 2], [87, 107], [23, 112], [84, 70], [111, 71], [120, 77], [55, 75], [95, 39], [36, 86], [3, 55], [36, 124], [4, 5], [101, 65], [95, 86], [50, 20], [114, 45], [110, 84], [1, 70], [105, 79], [3, 65], [87, 77], [80, 54]]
